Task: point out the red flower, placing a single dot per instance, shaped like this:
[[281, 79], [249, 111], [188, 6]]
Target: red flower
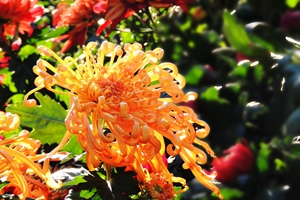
[[18, 14], [116, 10], [4, 60], [15, 46], [290, 20], [238, 160], [80, 16], [83, 13]]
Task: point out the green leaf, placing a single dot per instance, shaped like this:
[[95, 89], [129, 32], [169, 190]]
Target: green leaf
[[236, 34], [229, 193], [263, 155], [87, 194], [240, 70], [26, 51], [194, 75], [62, 97], [73, 146], [3, 184], [12, 133], [8, 79], [178, 196], [291, 3], [56, 32], [212, 94], [77, 180], [280, 165], [16, 98], [258, 73], [46, 119]]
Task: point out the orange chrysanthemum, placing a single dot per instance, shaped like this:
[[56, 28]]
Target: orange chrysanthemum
[[118, 114], [18, 14], [18, 163], [158, 188]]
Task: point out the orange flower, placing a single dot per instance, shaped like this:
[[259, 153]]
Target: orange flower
[[79, 15], [18, 14], [17, 162], [118, 115], [158, 188]]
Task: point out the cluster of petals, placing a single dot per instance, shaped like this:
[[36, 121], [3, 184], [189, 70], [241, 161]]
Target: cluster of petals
[[157, 187], [118, 112], [18, 163], [81, 14], [18, 15]]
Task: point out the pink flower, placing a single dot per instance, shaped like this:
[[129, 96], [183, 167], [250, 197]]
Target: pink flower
[[238, 160]]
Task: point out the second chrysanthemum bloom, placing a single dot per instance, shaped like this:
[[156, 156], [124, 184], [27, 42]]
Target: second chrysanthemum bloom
[[119, 116]]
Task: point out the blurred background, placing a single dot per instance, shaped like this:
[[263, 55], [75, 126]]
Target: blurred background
[[242, 58]]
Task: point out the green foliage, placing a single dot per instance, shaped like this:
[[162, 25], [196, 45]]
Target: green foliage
[[263, 157], [75, 181], [212, 94], [291, 3], [235, 33], [121, 185], [194, 75], [230, 194], [280, 165], [8, 80], [26, 51], [46, 121], [3, 184]]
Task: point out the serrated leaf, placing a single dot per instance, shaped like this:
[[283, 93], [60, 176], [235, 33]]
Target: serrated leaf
[[46, 119]]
